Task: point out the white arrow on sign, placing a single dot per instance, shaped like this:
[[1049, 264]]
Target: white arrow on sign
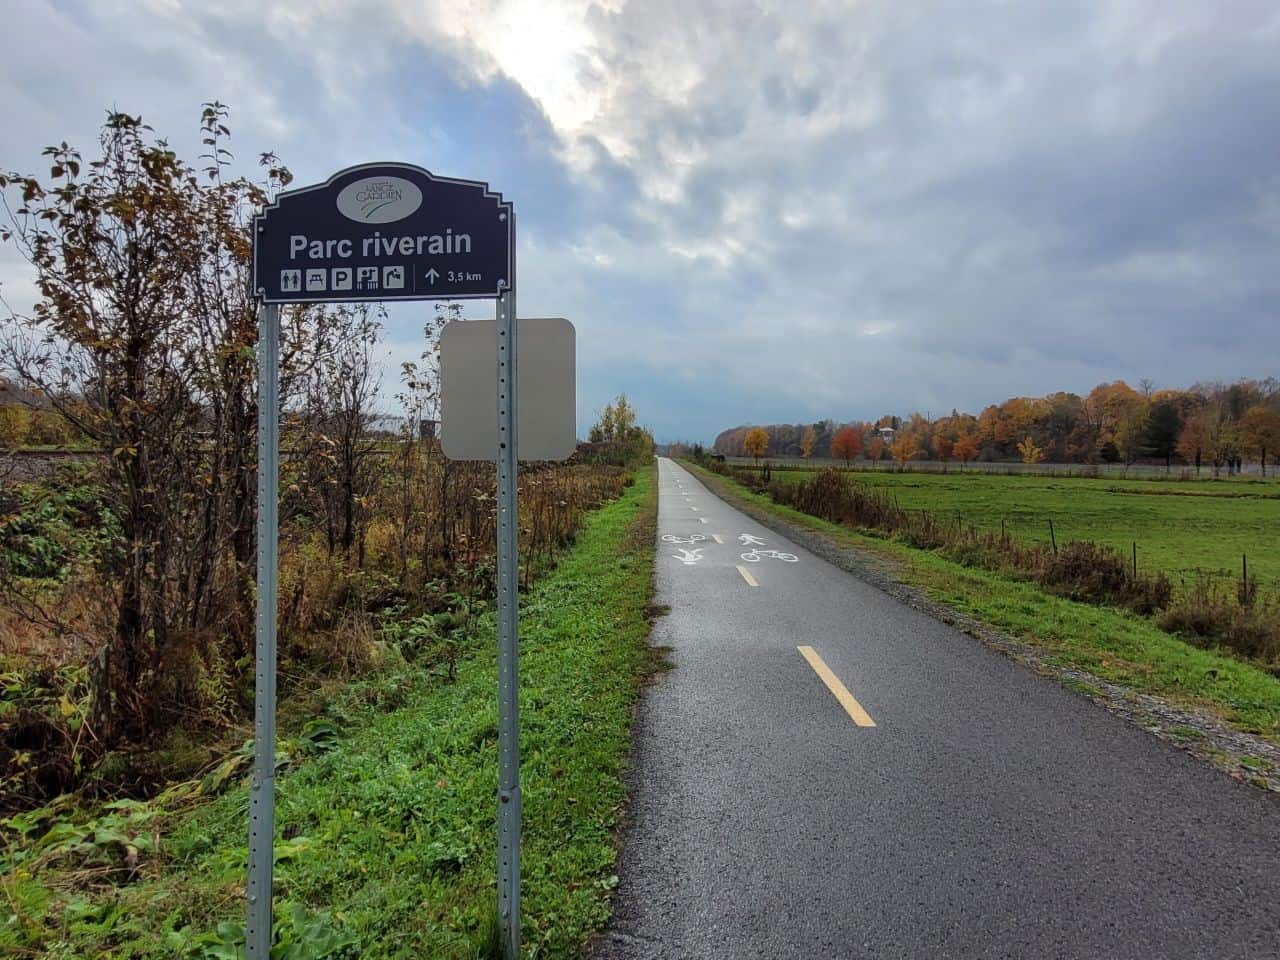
[[431, 275], [746, 538]]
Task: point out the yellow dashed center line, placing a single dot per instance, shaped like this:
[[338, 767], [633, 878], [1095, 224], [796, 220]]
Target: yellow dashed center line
[[838, 689], [747, 576]]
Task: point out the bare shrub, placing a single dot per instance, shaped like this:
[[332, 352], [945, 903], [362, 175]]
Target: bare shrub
[[1209, 615], [1083, 570]]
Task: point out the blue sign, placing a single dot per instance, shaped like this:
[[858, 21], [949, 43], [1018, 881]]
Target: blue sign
[[384, 231]]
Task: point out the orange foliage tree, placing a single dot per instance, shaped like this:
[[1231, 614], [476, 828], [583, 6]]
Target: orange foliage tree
[[966, 449], [1260, 427], [904, 449], [847, 445], [756, 443], [1030, 452], [807, 440], [1195, 441]]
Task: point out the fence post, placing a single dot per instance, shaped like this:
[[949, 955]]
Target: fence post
[[1135, 559], [1053, 538]]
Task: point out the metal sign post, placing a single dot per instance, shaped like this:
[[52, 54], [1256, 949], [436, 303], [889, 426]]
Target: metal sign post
[[262, 798], [383, 231], [508, 636]]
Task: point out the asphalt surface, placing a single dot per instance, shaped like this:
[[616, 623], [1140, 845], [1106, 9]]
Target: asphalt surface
[[988, 813]]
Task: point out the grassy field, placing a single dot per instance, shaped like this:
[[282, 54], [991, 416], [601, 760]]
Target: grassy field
[[1179, 526], [386, 803], [1112, 471], [1121, 647]]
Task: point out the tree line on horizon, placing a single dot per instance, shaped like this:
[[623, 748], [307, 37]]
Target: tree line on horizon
[[1208, 424]]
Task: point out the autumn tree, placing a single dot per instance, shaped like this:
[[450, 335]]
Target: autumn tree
[[1226, 445], [629, 442], [1029, 452], [616, 421], [904, 448], [756, 443], [1260, 428], [944, 446], [337, 411], [876, 448], [966, 449], [807, 440], [847, 445], [1195, 440], [1060, 426], [142, 340]]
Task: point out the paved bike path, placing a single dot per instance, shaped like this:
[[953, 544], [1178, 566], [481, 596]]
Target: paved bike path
[[987, 813]]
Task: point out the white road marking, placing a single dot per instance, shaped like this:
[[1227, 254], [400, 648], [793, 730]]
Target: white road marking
[[754, 554]]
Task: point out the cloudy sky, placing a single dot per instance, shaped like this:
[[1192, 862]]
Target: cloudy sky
[[763, 212]]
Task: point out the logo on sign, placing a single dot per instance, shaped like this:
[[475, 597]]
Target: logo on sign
[[379, 200]]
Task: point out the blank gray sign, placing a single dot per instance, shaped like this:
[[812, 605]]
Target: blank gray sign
[[546, 370]]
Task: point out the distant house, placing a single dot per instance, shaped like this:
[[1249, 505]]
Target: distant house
[[887, 434]]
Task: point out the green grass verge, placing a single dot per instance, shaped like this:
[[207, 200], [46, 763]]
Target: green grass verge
[[1112, 644], [1180, 528], [386, 844]]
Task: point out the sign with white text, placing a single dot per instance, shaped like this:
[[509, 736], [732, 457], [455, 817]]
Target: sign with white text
[[384, 231]]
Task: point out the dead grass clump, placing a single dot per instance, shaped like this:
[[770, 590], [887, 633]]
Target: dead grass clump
[[1083, 570], [1210, 615]]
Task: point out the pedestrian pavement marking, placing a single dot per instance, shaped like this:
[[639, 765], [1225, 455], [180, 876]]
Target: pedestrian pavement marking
[[715, 536], [838, 689], [746, 575], [703, 520]]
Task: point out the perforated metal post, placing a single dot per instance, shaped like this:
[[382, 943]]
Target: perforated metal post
[[508, 637], [262, 792]]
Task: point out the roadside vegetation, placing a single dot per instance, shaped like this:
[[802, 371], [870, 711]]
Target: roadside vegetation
[[1214, 643], [386, 845], [127, 581], [1181, 529]]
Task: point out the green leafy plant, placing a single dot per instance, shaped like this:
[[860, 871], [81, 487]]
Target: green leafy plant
[[299, 935]]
